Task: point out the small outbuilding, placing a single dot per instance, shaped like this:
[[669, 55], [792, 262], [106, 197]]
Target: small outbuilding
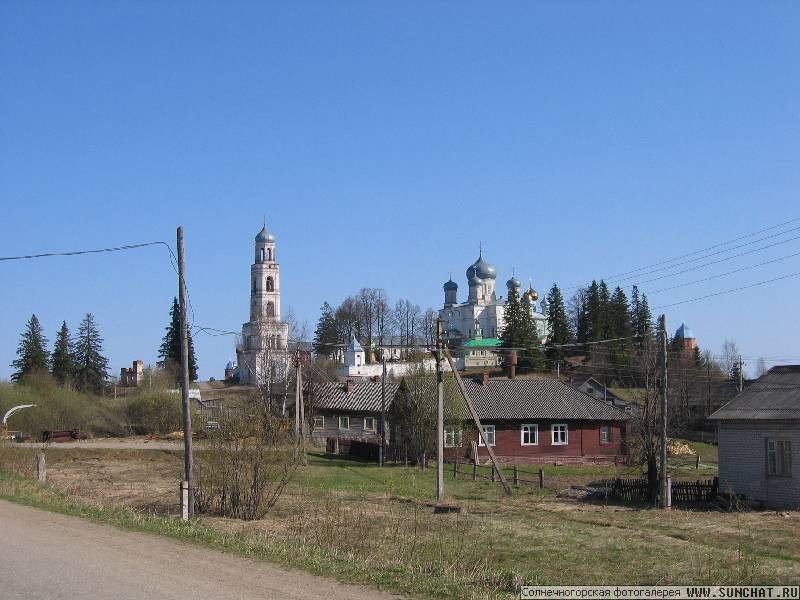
[[757, 431]]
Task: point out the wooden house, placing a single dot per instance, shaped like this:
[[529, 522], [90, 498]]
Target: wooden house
[[757, 432]]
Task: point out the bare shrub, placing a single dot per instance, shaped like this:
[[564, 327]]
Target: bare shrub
[[244, 466]]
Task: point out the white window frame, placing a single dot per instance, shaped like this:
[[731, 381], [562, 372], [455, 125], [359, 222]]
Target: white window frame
[[779, 457], [345, 419], [319, 422], [453, 437], [491, 433], [557, 427], [529, 428], [374, 425], [610, 438]]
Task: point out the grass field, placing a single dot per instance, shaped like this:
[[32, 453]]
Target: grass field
[[360, 522]]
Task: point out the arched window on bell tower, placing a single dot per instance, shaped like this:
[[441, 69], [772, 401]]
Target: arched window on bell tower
[[270, 309], [269, 254], [254, 285], [270, 284], [262, 255]]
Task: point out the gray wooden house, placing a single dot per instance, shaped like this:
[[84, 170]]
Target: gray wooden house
[[757, 432], [349, 410]]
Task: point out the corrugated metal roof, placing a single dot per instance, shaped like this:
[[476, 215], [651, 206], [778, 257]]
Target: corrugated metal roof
[[364, 396], [773, 396], [537, 399]]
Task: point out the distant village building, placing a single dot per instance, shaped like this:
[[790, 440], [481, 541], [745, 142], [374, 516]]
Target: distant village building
[[230, 370], [475, 326], [684, 337], [757, 432], [132, 377], [356, 366], [264, 340]]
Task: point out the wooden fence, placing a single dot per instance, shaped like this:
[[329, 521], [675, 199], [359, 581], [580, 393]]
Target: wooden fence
[[626, 490]]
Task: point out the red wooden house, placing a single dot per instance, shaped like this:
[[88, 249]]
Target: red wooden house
[[539, 421]]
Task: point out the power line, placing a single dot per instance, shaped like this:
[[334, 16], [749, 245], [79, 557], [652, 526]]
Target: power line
[[738, 289], [761, 264], [79, 252], [702, 250]]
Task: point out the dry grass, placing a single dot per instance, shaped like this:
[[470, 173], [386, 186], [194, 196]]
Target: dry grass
[[350, 513]]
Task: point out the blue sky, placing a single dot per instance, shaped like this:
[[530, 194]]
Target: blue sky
[[384, 141]]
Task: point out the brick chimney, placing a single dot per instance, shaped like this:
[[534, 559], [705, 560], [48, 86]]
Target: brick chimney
[[485, 378], [512, 365], [348, 386]]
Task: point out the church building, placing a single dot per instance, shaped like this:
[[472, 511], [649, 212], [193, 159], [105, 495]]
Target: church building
[[481, 318], [264, 340]]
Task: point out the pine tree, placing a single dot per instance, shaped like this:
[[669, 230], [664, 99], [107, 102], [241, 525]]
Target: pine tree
[[559, 325], [32, 353], [91, 367], [645, 318], [170, 350], [62, 361], [326, 335], [520, 333]]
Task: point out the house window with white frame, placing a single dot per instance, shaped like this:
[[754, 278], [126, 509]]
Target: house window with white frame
[[369, 423], [560, 435], [605, 434], [344, 422], [489, 431], [779, 458], [529, 434], [452, 437], [319, 422]]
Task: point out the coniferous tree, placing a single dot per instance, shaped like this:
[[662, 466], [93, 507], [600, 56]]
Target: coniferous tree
[[62, 361], [559, 325], [170, 350], [32, 353], [579, 311], [511, 335], [91, 367], [326, 335], [644, 319]]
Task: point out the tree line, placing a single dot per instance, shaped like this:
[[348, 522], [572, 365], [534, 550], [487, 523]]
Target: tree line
[[373, 321], [79, 361]]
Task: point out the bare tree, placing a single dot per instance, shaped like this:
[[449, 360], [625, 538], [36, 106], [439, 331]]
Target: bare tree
[[429, 327], [407, 323], [347, 323], [729, 361], [298, 330]]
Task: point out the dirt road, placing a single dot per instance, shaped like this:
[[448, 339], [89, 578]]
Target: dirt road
[[51, 556]]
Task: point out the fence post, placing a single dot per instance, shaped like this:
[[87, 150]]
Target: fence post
[[41, 467], [516, 475], [494, 470], [455, 468], [697, 464], [474, 471], [541, 478], [669, 492], [184, 500]]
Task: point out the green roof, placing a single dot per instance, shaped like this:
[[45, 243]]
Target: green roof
[[484, 343]]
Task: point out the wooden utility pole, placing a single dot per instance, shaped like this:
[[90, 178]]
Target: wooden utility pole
[[439, 414], [474, 413], [297, 398], [741, 374], [382, 452], [664, 491], [188, 460]]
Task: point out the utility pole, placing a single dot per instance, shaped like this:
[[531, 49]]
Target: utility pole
[[664, 491], [381, 454], [188, 460], [741, 373], [474, 413], [439, 414], [297, 399]]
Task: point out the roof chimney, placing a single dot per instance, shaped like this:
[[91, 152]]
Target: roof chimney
[[512, 365], [348, 386], [485, 378]]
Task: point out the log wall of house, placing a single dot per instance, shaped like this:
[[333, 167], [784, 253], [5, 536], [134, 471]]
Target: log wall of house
[[584, 444]]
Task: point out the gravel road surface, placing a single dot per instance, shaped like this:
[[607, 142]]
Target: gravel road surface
[[47, 556]]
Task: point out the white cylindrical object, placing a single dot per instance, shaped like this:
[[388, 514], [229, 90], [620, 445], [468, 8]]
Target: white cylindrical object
[[184, 500]]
